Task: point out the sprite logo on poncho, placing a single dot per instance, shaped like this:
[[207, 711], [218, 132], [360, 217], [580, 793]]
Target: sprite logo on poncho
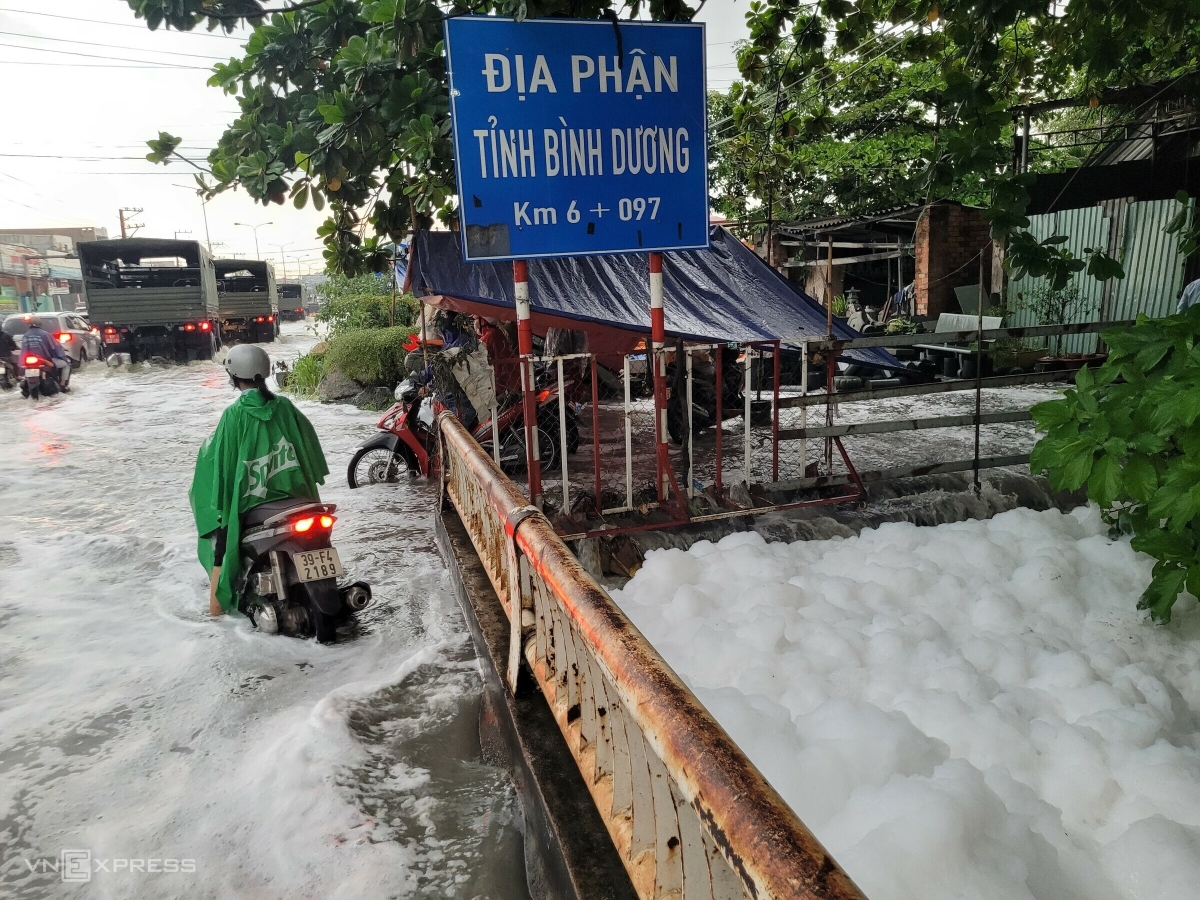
[[260, 471]]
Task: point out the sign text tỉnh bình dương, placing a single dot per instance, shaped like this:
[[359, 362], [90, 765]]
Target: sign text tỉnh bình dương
[[567, 144]]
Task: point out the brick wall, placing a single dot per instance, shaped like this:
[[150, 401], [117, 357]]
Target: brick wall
[[949, 238]]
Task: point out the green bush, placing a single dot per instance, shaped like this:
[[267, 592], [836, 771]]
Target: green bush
[[356, 311], [1130, 431], [371, 356], [305, 375]]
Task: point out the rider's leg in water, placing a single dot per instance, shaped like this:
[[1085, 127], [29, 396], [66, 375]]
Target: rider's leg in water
[[64, 372], [214, 605]]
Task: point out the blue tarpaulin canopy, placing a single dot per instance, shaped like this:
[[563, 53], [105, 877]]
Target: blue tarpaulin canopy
[[725, 293]]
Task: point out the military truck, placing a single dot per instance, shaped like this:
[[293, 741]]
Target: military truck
[[249, 301], [291, 304], [151, 297]]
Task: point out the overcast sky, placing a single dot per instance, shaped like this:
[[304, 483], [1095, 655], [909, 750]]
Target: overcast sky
[[88, 85]]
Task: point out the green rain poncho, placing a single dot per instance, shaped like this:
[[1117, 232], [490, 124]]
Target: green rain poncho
[[262, 450]]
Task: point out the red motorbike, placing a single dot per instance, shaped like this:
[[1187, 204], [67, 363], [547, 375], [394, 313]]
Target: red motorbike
[[405, 440]]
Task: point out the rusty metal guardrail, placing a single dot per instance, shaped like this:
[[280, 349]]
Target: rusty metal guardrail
[[689, 814]]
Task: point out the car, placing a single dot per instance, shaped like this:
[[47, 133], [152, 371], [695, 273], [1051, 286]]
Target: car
[[79, 340]]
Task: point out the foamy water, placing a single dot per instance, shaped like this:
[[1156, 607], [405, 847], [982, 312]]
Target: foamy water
[[976, 710], [136, 728]]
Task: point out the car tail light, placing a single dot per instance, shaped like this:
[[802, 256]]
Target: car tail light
[[259, 319], [32, 361], [205, 326], [95, 330], [189, 327], [300, 526], [110, 331], [64, 338], [270, 318], [327, 521]]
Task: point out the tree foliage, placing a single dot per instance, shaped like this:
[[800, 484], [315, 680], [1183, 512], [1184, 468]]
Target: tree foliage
[[345, 102], [1130, 431]]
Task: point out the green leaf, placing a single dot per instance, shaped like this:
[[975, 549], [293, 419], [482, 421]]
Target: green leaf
[[1162, 593], [1139, 477], [1075, 470], [1104, 481]]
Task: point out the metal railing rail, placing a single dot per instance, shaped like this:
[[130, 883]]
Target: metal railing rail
[[933, 387], [689, 814], [965, 337]]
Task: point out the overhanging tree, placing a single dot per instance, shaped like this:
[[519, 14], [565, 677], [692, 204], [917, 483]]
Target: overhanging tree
[[345, 100]]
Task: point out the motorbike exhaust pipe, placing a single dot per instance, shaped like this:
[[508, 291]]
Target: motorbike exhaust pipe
[[266, 617], [357, 596]]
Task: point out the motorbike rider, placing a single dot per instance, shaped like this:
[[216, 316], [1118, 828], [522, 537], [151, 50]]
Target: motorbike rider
[[8, 347], [263, 449], [39, 342]]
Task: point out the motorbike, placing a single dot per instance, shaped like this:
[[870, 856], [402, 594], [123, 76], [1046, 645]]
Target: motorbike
[[39, 377], [288, 580], [704, 399], [405, 440], [8, 373]]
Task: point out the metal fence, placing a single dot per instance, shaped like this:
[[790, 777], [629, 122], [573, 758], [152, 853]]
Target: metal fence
[[689, 814]]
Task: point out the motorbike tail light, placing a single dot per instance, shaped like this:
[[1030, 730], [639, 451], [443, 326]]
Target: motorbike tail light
[[189, 327], [544, 396], [64, 338], [205, 326], [327, 521], [32, 361], [300, 526]]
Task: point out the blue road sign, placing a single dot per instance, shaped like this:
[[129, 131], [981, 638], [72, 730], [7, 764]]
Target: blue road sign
[[570, 141]]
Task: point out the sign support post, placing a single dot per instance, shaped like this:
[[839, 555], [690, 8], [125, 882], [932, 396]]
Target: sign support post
[[658, 340], [528, 387]]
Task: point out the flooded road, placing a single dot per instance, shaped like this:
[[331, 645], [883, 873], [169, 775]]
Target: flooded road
[[195, 757]]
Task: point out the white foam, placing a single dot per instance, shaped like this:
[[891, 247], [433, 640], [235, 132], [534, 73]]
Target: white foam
[[974, 710]]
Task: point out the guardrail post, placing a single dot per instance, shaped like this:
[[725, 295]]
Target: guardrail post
[[520, 597], [528, 385]]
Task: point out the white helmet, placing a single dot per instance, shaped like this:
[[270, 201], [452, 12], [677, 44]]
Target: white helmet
[[245, 362]]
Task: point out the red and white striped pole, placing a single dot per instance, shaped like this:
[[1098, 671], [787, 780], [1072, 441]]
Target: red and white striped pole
[[528, 386], [658, 339]]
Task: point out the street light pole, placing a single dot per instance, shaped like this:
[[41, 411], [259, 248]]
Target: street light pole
[[282, 258], [254, 228]]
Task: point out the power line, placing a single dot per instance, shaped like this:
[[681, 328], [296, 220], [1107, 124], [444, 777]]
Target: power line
[[142, 28], [38, 37], [54, 65], [79, 158], [112, 58]]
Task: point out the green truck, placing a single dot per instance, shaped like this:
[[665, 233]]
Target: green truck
[[249, 300], [151, 297]]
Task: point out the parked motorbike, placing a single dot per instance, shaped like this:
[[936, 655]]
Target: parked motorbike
[[288, 580], [405, 441], [39, 377], [704, 399]]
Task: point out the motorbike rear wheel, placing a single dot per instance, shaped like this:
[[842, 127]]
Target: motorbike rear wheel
[[376, 465]]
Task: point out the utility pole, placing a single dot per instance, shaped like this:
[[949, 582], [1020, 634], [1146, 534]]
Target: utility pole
[[128, 228]]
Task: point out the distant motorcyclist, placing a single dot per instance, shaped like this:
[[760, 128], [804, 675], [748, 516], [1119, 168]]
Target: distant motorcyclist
[[39, 342], [263, 449]]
